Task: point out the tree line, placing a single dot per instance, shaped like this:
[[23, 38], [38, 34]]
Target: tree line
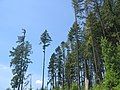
[[90, 57]]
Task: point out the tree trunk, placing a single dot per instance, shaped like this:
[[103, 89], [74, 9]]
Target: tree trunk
[[96, 60], [63, 67], [19, 87], [43, 70], [55, 80], [86, 76]]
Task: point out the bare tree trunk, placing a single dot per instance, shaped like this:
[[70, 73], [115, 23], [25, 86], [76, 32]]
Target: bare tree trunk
[[53, 83], [43, 70], [86, 76]]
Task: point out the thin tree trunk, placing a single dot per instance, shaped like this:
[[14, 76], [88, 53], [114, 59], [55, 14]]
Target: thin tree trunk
[[95, 56], [43, 70], [86, 76], [99, 62], [63, 67], [19, 87], [78, 66], [55, 80]]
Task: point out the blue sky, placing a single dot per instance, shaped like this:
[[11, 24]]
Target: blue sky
[[35, 16]]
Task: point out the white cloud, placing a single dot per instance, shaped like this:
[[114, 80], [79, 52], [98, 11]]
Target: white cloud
[[39, 82], [4, 67]]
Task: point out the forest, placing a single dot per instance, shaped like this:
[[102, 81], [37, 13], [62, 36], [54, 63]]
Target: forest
[[88, 60]]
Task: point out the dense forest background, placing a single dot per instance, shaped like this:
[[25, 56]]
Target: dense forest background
[[88, 60]]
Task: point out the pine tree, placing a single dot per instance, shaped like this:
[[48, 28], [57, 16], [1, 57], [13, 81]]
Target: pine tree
[[111, 57], [90, 61], [45, 40], [52, 70], [63, 45], [20, 61], [70, 70], [59, 65]]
